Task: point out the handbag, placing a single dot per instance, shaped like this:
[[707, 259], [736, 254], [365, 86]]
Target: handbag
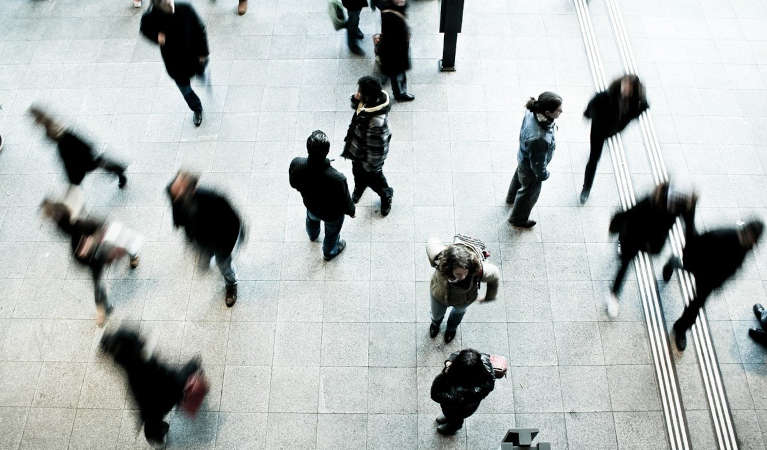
[[337, 14], [195, 390], [500, 365]]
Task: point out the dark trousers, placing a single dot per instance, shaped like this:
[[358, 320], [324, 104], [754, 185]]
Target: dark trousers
[[597, 143], [702, 290], [191, 98], [373, 180], [155, 428], [523, 192], [626, 256], [353, 27], [398, 84], [456, 414], [332, 232], [110, 165]]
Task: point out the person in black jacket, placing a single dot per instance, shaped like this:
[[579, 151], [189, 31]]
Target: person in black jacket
[[210, 222], [367, 141], [76, 154], [155, 386], [325, 193], [610, 111], [183, 45], [645, 227], [353, 32], [394, 47], [465, 381], [86, 237], [712, 257]]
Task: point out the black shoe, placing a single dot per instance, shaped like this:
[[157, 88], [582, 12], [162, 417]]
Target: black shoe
[[668, 270], [405, 97], [231, 295], [433, 330], [759, 336], [121, 181], [680, 337], [525, 224], [357, 50], [197, 118], [760, 313], [441, 420], [341, 247], [584, 196], [386, 203], [449, 335], [447, 430]]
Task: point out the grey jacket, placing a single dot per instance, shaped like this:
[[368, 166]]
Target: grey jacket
[[536, 145], [454, 294]]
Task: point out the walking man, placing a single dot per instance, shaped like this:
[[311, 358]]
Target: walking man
[[210, 222], [367, 141], [325, 193], [180, 33], [353, 32]]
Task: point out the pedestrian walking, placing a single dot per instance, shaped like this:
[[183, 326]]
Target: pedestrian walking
[[536, 148], [645, 227], [76, 153], [610, 111], [353, 33], [712, 257], [759, 335], [393, 48], [156, 386], [180, 33], [325, 194], [466, 379], [455, 283], [95, 244], [210, 223], [367, 141]]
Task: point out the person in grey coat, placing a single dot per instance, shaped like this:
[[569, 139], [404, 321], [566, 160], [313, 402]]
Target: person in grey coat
[[536, 148]]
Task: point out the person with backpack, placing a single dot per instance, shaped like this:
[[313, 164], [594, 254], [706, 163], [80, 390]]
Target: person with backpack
[[466, 379], [393, 49], [459, 270]]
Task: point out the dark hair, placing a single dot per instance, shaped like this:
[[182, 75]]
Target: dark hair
[[547, 101], [755, 228], [467, 367], [317, 144], [457, 256], [370, 89], [637, 91]]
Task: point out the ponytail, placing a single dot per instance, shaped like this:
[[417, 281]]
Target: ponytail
[[547, 101]]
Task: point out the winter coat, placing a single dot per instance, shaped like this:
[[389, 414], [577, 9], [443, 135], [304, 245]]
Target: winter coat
[[368, 136], [461, 400], [394, 48], [645, 226], [185, 39], [465, 291], [354, 4], [713, 256], [323, 188], [209, 221], [536, 145], [77, 155], [605, 113]]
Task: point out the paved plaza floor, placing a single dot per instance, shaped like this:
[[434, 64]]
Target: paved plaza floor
[[335, 355]]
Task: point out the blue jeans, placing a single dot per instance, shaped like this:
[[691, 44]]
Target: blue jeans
[[224, 263], [332, 232], [438, 312]]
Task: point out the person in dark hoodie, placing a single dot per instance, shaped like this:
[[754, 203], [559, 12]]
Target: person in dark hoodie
[[367, 141], [210, 223], [645, 227], [536, 148], [155, 386], [712, 257], [325, 194], [86, 236], [464, 382], [76, 154], [180, 33], [394, 47], [610, 111]]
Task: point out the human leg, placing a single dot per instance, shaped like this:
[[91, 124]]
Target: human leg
[[192, 100], [597, 143], [330, 244], [377, 182], [360, 181], [514, 186], [353, 31], [225, 266], [113, 166], [312, 226], [526, 197], [399, 87], [690, 313]]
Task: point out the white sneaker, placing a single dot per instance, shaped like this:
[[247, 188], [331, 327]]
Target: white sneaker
[[612, 306], [137, 3]]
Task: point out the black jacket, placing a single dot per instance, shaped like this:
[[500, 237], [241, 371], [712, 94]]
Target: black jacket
[[645, 227], [323, 188], [713, 256], [77, 155], [185, 39], [95, 262], [394, 48], [605, 115], [354, 4], [209, 220], [461, 400]]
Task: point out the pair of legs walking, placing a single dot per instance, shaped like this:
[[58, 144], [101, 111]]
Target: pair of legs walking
[[375, 181], [597, 144], [114, 167], [438, 311], [155, 427], [332, 245], [702, 290], [353, 32], [399, 86], [523, 193], [191, 98], [226, 267]]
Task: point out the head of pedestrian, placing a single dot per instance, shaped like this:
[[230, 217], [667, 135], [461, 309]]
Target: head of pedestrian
[[750, 232], [166, 6], [56, 211], [318, 146], [547, 107], [368, 90], [466, 367], [53, 129], [456, 263], [183, 185]]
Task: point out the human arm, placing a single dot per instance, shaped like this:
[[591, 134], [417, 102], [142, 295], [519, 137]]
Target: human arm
[[490, 275], [433, 248], [351, 208], [538, 151]]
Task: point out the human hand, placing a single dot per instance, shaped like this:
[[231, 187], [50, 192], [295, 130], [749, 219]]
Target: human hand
[[161, 38], [480, 299]]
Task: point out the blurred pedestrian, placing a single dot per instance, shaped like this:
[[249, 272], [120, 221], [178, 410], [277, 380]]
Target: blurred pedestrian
[[367, 141], [394, 47], [459, 270], [466, 379], [76, 154], [645, 227], [325, 194], [712, 257], [610, 111], [156, 387], [536, 148], [353, 33], [183, 44], [95, 244], [210, 223]]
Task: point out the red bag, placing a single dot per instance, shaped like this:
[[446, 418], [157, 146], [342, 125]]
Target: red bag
[[195, 390], [500, 365]]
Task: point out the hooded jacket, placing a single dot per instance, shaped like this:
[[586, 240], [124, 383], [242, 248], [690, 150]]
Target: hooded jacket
[[368, 136], [465, 291], [462, 399], [323, 188], [209, 220], [185, 39]]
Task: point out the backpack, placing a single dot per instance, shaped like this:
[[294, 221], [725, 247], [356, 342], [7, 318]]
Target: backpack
[[337, 14], [473, 244]]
